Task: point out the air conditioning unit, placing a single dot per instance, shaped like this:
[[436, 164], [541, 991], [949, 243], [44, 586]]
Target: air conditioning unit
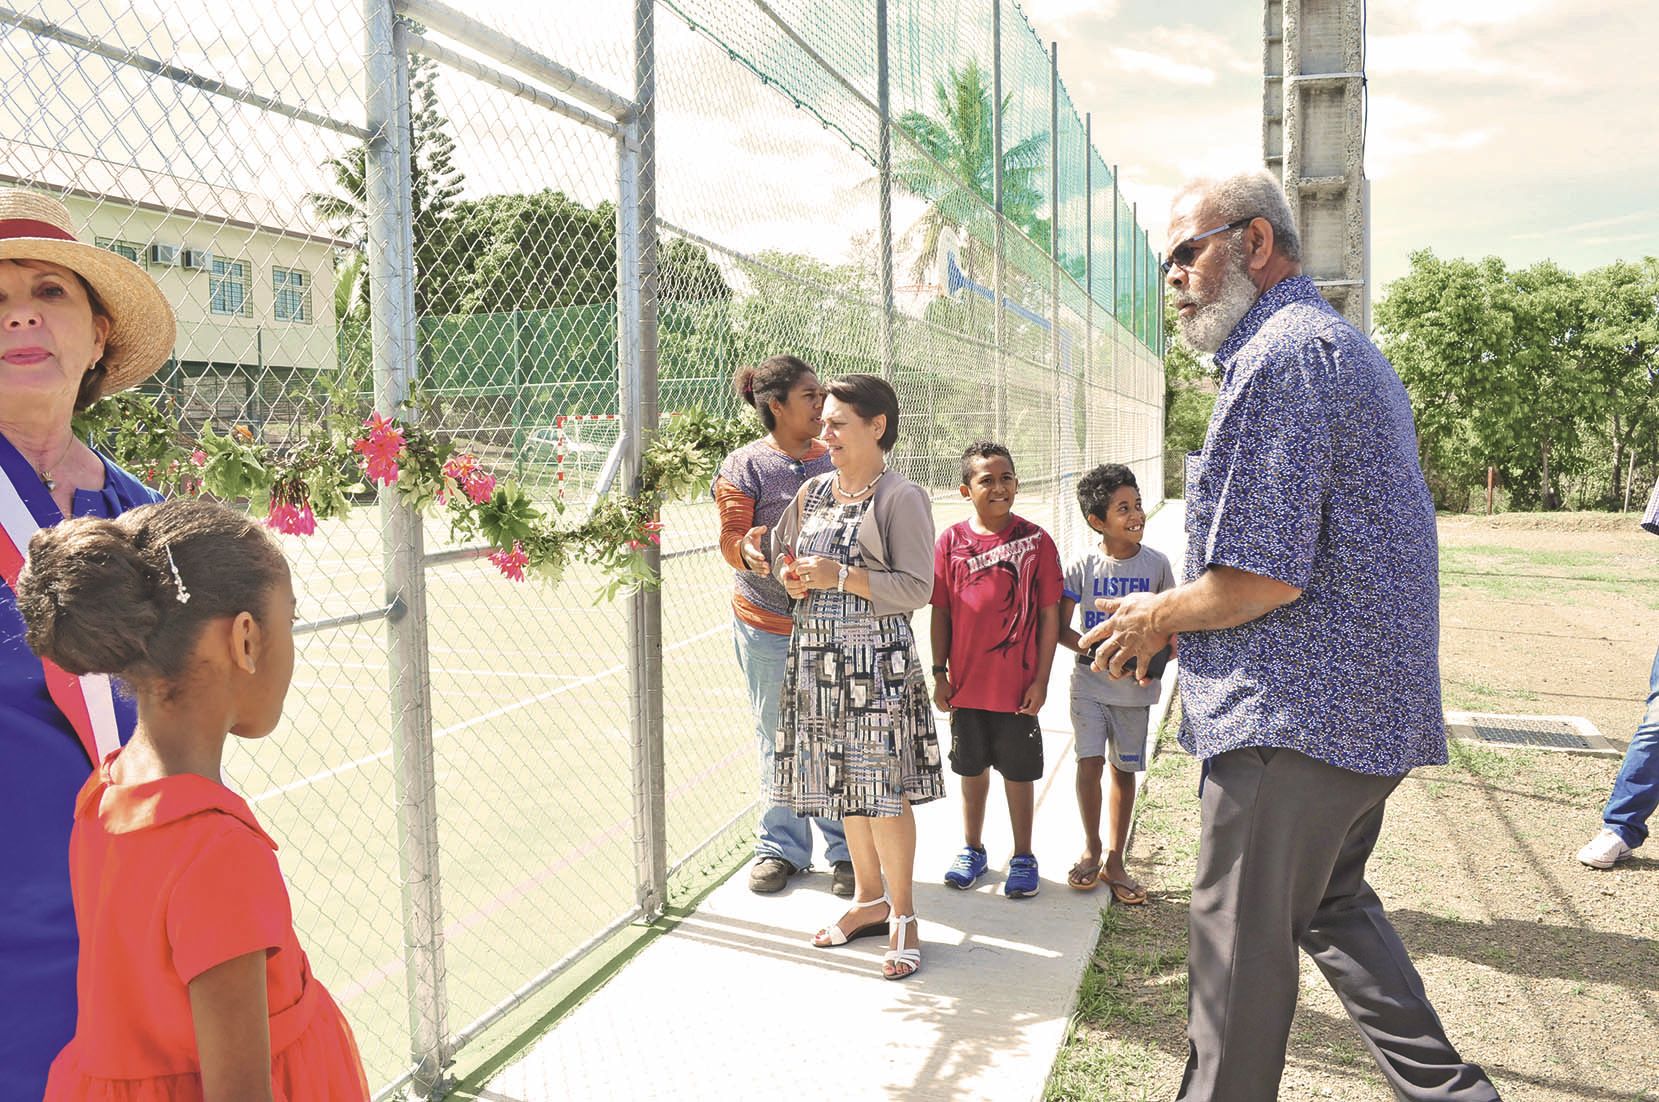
[[198, 259], [163, 256]]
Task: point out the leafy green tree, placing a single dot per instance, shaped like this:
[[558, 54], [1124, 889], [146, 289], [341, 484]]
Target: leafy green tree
[[1448, 327], [1620, 358], [1189, 399], [436, 186], [954, 170]]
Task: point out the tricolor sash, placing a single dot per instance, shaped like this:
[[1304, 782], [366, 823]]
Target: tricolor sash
[[87, 702]]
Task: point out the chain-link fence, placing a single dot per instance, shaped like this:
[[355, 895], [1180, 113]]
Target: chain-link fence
[[566, 222]]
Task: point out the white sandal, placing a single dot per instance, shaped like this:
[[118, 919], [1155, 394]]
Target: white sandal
[[832, 935], [902, 957]]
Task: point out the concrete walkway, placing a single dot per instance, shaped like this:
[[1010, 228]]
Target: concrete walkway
[[735, 1004]]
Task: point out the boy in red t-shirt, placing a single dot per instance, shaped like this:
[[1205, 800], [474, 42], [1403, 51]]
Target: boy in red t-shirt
[[996, 621]]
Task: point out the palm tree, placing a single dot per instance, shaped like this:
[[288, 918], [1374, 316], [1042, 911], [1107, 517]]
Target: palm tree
[[437, 185], [953, 169]]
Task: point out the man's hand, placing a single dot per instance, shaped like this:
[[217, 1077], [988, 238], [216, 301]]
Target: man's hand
[[943, 690], [753, 557], [1126, 633], [1032, 702]]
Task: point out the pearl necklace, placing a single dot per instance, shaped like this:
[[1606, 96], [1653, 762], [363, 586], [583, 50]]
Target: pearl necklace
[[857, 493]]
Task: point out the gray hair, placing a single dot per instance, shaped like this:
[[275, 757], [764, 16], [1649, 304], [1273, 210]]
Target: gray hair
[[1253, 194]]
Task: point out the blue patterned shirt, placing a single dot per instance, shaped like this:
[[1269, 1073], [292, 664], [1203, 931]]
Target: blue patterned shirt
[[1309, 475]]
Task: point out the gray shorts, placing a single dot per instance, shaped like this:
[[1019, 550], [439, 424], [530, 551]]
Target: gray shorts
[[1120, 729]]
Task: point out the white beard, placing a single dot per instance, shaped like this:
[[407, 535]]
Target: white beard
[[1215, 320]]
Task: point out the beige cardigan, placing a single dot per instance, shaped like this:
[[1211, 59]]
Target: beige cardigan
[[896, 541]]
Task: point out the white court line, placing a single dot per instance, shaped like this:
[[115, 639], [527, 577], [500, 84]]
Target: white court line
[[494, 713], [467, 671]]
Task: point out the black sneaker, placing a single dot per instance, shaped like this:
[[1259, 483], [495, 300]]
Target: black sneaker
[[770, 874], [841, 879]]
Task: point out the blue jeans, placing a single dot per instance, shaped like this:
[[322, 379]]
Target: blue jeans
[[1636, 792], [763, 656]]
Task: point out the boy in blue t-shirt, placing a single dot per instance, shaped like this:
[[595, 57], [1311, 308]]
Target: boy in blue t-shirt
[[1106, 715]]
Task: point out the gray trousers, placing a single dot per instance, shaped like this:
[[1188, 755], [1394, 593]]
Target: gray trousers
[[1281, 864]]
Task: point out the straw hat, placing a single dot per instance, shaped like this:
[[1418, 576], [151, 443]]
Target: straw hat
[[142, 329]]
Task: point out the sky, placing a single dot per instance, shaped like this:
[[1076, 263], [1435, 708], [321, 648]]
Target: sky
[[1524, 129]]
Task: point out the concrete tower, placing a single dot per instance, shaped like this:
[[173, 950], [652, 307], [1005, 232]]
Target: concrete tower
[[1313, 136]]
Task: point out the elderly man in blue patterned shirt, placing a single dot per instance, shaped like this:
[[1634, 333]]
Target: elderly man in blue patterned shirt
[[1309, 632]]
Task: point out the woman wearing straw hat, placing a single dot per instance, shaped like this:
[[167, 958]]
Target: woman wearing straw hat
[[76, 323]]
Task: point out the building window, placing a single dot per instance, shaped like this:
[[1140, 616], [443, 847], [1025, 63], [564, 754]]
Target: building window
[[290, 290], [227, 287], [132, 252]]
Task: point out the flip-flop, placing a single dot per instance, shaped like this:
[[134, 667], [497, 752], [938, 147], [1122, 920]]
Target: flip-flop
[[1084, 883], [1130, 895]]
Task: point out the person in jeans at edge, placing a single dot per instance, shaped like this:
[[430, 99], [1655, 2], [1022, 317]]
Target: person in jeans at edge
[[1310, 683], [755, 484], [1636, 791]]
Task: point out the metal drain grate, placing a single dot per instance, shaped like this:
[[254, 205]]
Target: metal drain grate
[[1573, 733]]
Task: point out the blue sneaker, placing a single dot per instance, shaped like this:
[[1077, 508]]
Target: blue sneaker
[[968, 867], [1022, 877]]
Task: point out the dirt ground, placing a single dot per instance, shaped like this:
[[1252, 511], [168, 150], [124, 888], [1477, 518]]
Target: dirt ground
[[1544, 972]]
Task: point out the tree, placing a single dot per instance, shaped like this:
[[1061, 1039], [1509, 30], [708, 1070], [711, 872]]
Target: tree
[[1448, 328], [1620, 353], [954, 171], [1189, 399], [436, 186], [1540, 373]]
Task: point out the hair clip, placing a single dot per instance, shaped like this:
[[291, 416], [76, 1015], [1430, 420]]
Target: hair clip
[[178, 582]]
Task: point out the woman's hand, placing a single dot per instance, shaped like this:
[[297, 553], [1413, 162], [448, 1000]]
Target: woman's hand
[[790, 576], [753, 556], [818, 571]]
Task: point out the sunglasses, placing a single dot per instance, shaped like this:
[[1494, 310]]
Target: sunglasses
[[1182, 255]]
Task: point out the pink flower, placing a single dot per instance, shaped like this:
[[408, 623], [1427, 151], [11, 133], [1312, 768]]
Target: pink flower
[[481, 487], [635, 545], [294, 519], [380, 449], [199, 457], [511, 563], [477, 483], [652, 530]]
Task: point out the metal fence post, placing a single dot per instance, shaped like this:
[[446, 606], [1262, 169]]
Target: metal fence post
[[388, 209], [1135, 287], [636, 248], [999, 332], [1056, 467], [884, 189], [1088, 288], [1117, 316]]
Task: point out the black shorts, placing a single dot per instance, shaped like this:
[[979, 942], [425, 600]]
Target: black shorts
[[1011, 742]]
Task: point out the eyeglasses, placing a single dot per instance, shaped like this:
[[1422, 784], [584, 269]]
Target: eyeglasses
[[1182, 255]]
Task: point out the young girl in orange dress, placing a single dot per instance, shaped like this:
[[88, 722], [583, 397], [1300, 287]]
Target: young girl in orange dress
[[191, 983]]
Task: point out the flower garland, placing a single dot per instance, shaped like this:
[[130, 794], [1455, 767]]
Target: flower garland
[[338, 457]]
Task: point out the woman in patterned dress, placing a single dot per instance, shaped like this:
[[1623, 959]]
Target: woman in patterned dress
[[856, 737]]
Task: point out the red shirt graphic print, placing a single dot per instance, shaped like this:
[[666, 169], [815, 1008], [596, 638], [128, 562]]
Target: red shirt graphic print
[[994, 586]]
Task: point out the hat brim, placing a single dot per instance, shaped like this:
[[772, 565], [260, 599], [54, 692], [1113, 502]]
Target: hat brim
[[143, 328]]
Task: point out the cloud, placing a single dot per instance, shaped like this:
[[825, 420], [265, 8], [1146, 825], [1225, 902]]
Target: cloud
[[1401, 130], [1145, 63], [1434, 14]]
